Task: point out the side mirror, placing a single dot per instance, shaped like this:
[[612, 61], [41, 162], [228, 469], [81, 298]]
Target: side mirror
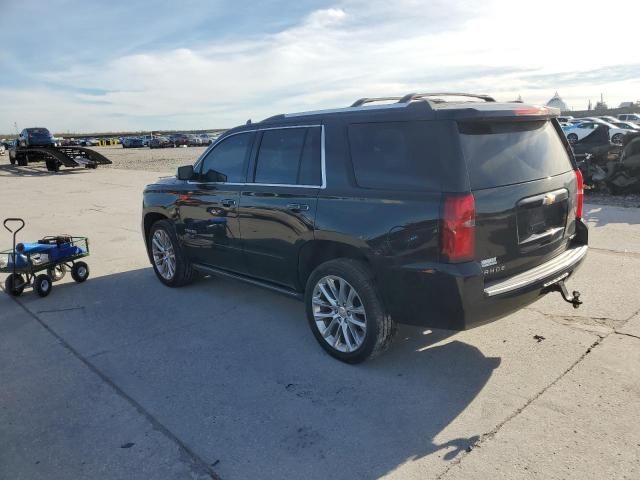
[[185, 172]]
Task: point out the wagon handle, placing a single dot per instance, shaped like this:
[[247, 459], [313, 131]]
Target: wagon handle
[[7, 220], [15, 232]]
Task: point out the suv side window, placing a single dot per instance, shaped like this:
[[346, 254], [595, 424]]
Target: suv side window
[[289, 156], [227, 158], [394, 155]]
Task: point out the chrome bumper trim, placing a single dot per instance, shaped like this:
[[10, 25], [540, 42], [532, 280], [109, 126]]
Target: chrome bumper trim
[[539, 273]]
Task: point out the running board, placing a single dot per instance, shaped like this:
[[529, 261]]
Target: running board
[[236, 276]]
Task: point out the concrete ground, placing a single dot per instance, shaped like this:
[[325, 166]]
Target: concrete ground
[[121, 377]]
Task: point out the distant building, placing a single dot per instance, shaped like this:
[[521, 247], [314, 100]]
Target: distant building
[[629, 104], [601, 106], [557, 102]]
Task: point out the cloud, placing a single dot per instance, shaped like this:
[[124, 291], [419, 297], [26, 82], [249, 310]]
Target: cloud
[[332, 55]]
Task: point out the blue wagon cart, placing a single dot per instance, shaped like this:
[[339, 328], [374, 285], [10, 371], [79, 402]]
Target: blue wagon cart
[[38, 265]]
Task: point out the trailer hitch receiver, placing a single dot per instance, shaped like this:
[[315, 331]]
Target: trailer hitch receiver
[[560, 286]]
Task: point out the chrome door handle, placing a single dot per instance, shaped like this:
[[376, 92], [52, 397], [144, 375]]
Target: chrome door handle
[[228, 202], [298, 207]]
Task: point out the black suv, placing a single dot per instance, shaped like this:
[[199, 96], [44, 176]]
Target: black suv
[[423, 211], [35, 137]]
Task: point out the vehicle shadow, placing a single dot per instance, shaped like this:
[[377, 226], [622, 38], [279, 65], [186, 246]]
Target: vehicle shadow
[[37, 170], [221, 362]]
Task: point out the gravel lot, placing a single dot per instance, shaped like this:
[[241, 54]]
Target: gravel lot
[[154, 160]]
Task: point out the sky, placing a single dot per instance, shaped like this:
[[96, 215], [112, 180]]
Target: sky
[[93, 65]]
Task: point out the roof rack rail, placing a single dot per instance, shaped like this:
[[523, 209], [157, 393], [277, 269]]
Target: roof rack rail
[[362, 101], [419, 96]]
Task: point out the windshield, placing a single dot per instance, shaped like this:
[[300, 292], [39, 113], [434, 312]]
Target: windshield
[[39, 133], [501, 153]]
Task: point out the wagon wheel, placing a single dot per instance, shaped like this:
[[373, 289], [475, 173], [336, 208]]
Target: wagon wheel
[[14, 284], [57, 273]]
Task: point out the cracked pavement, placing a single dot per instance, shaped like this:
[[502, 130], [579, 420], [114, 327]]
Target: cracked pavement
[[122, 377]]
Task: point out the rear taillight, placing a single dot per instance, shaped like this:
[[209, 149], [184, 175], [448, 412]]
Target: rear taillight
[[458, 228], [579, 193]]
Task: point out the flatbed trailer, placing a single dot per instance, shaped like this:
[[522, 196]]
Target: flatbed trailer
[[55, 157]]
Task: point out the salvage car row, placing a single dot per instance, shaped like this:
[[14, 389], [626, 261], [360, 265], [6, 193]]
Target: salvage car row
[[166, 141], [577, 129]]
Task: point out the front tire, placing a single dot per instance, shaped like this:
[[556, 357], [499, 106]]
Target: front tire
[[345, 311], [617, 138], [43, 285], [169, 261], [573, 138]]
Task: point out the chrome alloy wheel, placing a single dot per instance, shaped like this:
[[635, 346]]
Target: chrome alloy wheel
[[339, 314], [163, 254]]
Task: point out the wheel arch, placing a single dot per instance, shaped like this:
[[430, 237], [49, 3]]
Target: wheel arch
[[315, 252], [148, 220]]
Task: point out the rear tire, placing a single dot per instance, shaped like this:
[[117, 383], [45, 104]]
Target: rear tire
[[53, 166], [22, 160], [14, 284], [351, 327], [43, 285], [169, 261], [617, 138]]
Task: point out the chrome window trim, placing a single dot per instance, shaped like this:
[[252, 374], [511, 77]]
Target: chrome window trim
[[323, 167]]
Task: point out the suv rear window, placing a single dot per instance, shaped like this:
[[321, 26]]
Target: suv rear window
[[394, 156], [502, 153]]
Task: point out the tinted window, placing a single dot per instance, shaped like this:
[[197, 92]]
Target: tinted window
[[500, 153], [310, 163], [393, 155], [227, 158], [289, 156]]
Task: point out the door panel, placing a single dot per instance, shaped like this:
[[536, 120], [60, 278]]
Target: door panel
[[211, 228], [276, 222], [209, 213]]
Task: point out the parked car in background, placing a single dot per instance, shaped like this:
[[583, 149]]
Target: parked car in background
[[180, 140], [146, 139], [443, 214], [3, 150], [205, 139], [578, 131], [132, 142], [88, 142], [194, 140], [160, 142], [35, 137], [565, 118], [626, 125], [608, 118], [630, 117]]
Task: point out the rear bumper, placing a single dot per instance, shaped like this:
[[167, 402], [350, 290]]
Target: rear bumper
[[456, 297], [550, 271]]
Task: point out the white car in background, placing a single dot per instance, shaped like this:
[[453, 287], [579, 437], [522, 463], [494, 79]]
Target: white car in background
[[630, 117], [626, 125], [578, 131]]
